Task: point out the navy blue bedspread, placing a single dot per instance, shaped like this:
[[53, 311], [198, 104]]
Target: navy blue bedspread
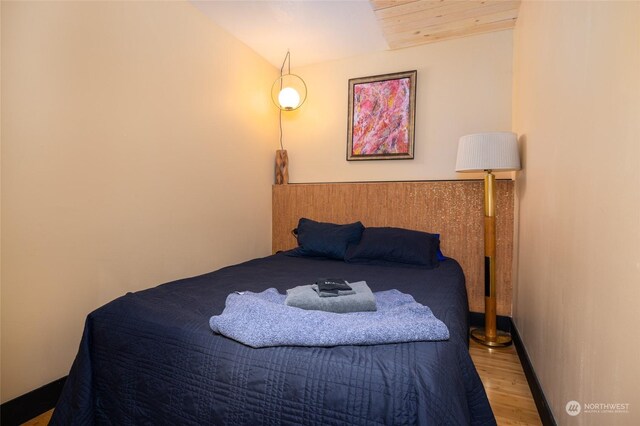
[[150, 358]]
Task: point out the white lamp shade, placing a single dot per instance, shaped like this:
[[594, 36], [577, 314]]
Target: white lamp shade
[[289, 92], [289, 98], [488, 151]]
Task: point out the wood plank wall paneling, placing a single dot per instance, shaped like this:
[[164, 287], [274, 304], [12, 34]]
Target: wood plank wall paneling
[[454, 209]]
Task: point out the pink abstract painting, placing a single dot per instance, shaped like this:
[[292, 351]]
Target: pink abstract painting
[[381, 117]]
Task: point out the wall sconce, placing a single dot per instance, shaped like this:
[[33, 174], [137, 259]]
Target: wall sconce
[[488, 152], [288, 93]]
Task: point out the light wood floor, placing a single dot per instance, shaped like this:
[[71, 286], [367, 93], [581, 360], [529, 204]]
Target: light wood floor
[[506, 385], [503, 379], [41, 420]]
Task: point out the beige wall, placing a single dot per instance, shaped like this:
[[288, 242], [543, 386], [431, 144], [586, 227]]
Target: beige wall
[[137, 148], [464, 86], [577, 107]]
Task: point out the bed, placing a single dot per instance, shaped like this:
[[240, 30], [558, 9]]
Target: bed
[[150, 357]]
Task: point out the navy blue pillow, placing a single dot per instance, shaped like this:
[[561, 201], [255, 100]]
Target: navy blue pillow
[[326, 239], [396, 245], [441, 257]]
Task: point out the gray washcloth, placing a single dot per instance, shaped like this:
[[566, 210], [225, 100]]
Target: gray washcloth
[[331, 293], [304, 297]]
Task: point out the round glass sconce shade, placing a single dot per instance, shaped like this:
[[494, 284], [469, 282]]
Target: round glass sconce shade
[[288, 98], [289, 92]]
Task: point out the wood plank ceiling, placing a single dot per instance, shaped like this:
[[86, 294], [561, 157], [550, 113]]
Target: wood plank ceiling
[[408, 23]]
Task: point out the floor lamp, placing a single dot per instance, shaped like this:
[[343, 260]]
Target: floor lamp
[[496, 151]]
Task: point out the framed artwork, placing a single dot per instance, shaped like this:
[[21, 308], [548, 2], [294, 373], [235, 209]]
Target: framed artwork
[[382, 111]]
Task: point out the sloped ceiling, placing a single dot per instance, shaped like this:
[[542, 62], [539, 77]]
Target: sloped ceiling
[[314, 31], [323, 30]]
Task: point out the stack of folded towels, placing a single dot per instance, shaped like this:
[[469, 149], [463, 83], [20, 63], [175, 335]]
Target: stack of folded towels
[[332, 295], [264, 319]]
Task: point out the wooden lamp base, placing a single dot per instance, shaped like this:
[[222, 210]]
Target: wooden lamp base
[[282, 167], [490, 335]]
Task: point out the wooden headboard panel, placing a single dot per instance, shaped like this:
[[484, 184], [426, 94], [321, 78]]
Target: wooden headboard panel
[[454, 209]]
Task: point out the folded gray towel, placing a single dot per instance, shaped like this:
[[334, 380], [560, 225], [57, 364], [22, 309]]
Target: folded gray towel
[[331, 293], [305, 297]]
